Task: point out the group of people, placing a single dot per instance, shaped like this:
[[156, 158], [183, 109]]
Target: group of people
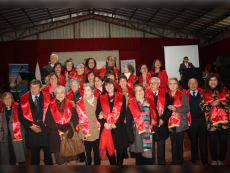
[[112, 112]]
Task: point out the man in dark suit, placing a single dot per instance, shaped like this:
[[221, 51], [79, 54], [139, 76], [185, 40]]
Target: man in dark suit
[[162, 100], [49, 68], [185, 64], [30, 115], [198, 123]]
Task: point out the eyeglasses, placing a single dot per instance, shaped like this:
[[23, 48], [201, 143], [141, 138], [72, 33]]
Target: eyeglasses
[[140, 90], [142, 68], [74, 84], [155, 83]]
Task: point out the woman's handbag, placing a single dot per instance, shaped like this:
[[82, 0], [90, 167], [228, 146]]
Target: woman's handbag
[[71, 147]]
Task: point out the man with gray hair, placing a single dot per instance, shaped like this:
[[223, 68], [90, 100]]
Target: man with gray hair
[[162, 100], [110, 65], [198, 123], [31, 114], [49, 68]]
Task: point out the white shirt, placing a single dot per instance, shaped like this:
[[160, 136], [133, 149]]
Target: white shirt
[[155, 92], [52, 65], [33, 96]]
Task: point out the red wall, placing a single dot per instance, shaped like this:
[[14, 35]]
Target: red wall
[[143, 50]]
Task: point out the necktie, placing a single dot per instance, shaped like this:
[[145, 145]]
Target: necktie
[[186, 65], [194, 93], [36, 100], [155, 94]]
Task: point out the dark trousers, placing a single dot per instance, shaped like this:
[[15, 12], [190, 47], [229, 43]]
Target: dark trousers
[[198, 129], [89, 145], [160, 152], [35, 155], [223, 144], [177, 147], [140, 160]]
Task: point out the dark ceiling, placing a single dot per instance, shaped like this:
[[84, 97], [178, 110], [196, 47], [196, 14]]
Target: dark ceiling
[[199, 21]]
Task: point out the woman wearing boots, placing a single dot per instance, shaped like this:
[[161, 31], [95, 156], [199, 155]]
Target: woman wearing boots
[[111, 111]]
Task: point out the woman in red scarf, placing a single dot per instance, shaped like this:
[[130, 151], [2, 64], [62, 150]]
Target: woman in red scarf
[[90, 65], [54, 81], [160, 73], [98, 83], [111, 112], [110, 74], [12, 134], [59, 71], [80, 73], [215, 103], [144, 75], [141, 125], [178, 122], [129, 73], [60, 112]]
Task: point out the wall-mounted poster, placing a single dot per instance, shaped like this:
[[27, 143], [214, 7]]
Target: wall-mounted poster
[[22, 86], [130, 61]]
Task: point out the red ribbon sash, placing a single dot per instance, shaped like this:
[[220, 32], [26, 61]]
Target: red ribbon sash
[[94, 69], [81, 79], [217, 114], [72, 73], [160, 100], [148, 77], [46, 89], [16, 124], [174, 120], [131, 80], [83, 119], [58, 117], [118, 87], [111, 117], [103, 70], [69, 95], [130, 91], [26, 107], [62, 79], [188, 96], [138, 119], [106, 141]]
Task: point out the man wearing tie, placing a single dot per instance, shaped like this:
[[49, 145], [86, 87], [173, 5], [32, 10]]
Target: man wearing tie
[[162, 100], [198, 123], [31, 114], [49, 68], [185, 64]]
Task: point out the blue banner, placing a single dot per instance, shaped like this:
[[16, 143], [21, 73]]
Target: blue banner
[[22, 85]]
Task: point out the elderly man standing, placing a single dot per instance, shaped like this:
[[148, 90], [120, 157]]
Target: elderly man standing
[[49, 68], [162, 100], [31, 114], [198, 123], [110, 65]]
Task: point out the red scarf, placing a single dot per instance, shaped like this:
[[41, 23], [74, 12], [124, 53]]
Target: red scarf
[[72, 73], [138, 119], [148, 77], [83, 119], [58, 117], [95, 69], [131, 80], [106, 140], [130, 91], [69, 95], [16, 124], [62, 79], [26, 107], [174, 120], [103, 70], [188, 96], [118, 87], [46, 89], [160, 100], [217, 114]]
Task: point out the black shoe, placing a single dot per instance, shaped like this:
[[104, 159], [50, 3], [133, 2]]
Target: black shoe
[[132, 155], [205, 163], [173, 163]]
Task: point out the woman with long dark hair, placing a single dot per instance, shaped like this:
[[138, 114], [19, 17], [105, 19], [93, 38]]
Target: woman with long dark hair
[[111, 112], [60, 72], [215, 103], [160, 73]]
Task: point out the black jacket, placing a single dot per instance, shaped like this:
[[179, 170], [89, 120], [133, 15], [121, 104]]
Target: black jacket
[[32, 138], [119, 134], [183, 66], [46, 71]]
